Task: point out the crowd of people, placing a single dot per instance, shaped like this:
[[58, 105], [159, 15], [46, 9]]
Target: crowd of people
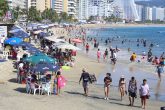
[[132, 88]]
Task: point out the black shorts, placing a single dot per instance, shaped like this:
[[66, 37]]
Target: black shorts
[[131, 94], [85, 84]]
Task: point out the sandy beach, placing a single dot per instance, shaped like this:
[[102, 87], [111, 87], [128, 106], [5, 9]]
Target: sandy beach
[[14, 96]]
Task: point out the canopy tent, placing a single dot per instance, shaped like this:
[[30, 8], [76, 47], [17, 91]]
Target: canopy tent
[[37, 32], [29, 47], [44, 26], [20, 34], [17, 31], [51, 38], [68, 46], [33, 26]]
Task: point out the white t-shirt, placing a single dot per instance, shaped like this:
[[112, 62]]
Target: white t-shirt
[[144, 89]]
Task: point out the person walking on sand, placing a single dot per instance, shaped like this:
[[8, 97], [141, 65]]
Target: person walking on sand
[[144, 93], [132, 90], [107, 82], [85, 77], [159, 70], [87, 48], [106, 54], [122, 86], [98, 55]]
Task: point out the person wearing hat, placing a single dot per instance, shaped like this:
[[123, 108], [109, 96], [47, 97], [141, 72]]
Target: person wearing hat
[[86, 78], [122, 86], [107, 82]]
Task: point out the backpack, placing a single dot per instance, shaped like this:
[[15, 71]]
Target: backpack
[[92, 78]]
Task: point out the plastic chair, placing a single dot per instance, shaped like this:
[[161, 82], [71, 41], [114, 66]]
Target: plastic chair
[[28, 87], [34, 87], [46, 88]]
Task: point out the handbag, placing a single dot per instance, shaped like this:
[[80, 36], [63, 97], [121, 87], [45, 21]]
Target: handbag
[[147, 96]]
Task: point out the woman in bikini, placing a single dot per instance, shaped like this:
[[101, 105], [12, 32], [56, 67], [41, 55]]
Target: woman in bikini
[[122, 86]]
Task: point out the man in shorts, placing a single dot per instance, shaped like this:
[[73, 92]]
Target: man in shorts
[[85, 77], [132, 90]]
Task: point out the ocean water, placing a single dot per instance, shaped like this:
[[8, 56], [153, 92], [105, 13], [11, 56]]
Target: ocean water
[[154, 35]]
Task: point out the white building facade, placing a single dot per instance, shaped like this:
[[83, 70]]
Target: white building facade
[[97, 8], [17, 3]]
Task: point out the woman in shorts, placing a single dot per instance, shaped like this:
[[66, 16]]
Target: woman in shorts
[[107, 82]]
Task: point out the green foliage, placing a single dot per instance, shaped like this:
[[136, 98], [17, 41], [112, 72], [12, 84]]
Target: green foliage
[[112, 18], [3, 7], [34, 14], [50, 15], [91, 18]]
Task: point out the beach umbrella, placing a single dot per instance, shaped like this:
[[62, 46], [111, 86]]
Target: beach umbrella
[[76, 40], [37, 58], [66, 67], [13, 41], [68, 46], [42, 67]]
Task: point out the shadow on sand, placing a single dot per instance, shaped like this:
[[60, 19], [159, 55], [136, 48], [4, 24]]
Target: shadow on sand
[[124, 104], [21, 90], [94, 97], [13, 80]]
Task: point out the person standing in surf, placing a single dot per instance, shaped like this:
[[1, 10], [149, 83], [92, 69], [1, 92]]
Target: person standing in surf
[[87, 48], [98, 55]]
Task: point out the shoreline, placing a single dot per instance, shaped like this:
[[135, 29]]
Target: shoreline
[[120, 25]]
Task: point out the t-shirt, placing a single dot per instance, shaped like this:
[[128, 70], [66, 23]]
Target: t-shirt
[[106, 52], [144, 89], [107, 80], [87, 46], [132, 86], [85, 77]]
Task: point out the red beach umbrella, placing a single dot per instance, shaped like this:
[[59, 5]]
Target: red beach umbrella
[[76, 40]]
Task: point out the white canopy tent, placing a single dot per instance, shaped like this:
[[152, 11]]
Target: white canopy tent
[[68, 46], [55, 39]]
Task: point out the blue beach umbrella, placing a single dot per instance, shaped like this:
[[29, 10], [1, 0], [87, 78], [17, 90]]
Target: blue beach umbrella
[[42, 67], [13, 41]]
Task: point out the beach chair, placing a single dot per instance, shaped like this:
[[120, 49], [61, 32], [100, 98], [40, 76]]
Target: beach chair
[[46, 87], [5, 55], [28, 87], [34, 87]]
